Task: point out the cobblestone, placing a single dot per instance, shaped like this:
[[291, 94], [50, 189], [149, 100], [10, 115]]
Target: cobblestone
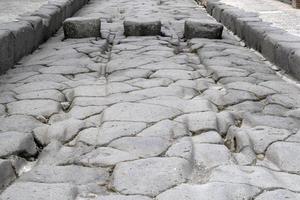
[[147, 117]]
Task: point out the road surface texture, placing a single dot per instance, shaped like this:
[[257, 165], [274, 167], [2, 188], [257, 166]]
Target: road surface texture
[[282, 15], [143, 118], [11, 9]]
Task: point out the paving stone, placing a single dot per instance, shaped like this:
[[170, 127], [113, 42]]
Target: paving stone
[[2, 110], [27, 191], [138, 112], [186, 106], [43, 94], [175, 74], [105, 156], [259, 138], [255, 176], [17, 143], [7, 173], [66, 174], [79, 112], [20, 123], [284, 155], [166, 129], [36, 86], [210, 137], [182, 148], [81, 27], [150, 176], [202, 29], [62, 131], [57, 78], [199, 122], [57, 154], [256, 89], [142, 27], [143, 147], [109, 131], [64, 70], [266, 120], [44, 108], [278, 195], [210, 191], [211, 155], [123, 197]]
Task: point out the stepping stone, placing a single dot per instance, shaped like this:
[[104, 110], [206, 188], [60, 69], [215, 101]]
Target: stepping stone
[[142, 27], [203, 29], [81, 27]]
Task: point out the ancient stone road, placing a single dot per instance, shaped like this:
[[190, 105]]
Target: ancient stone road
[[143, 118]]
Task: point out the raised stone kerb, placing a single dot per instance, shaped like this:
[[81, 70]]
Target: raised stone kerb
[[202, 29], [142, 27], [81, 27]]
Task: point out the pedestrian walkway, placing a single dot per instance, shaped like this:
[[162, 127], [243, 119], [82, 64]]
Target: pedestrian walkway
[[144, 118], [282, 15], [11, 9]]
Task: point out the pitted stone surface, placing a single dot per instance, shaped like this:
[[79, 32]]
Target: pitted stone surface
[[150, 176], [144, 117]]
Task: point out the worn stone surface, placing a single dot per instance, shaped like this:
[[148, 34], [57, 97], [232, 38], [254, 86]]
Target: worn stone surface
[[143, 117], [81, 27], [142, 27], [150, 176], [202, 29]]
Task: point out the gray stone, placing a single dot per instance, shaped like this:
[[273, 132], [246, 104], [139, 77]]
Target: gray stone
[[199, 122], [182, 148], [143, 147], [34, 107], [256, 176], [211, 155], [285, 156], [210, 191], [278, 195], [123, 197], [138, 112], [105, 157], [81, 27], [17, 143], [20, 123], [142, 27], [210, 137], [150, 176], [66, 174], [202, 29], [29, 191], [6, 50], [7, 173]]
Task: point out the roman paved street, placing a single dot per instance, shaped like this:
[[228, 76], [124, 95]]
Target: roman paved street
[[141, 118]]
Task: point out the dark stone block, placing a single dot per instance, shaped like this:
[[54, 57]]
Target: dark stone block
[[140, 27], [6, 50], [80, 27], [202, 29]]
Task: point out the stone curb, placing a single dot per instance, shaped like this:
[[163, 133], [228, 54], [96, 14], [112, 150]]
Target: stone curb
[[277, 45], [22, 37]]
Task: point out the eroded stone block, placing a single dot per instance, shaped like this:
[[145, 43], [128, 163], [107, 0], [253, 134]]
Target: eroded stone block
[[202, 29], [141, 27], [81, 27]]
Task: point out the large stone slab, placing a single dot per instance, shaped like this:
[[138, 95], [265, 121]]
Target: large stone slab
[[142, 27], [7, 173], [150, 176], [15, 143], [210, 191], [81, 27], [30, 191], [202, 29]]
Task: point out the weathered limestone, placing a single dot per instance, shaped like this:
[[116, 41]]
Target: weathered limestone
[[142, 27], [81, 27], [7, 173], [202, 29], [17, 143], [150, 176]]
